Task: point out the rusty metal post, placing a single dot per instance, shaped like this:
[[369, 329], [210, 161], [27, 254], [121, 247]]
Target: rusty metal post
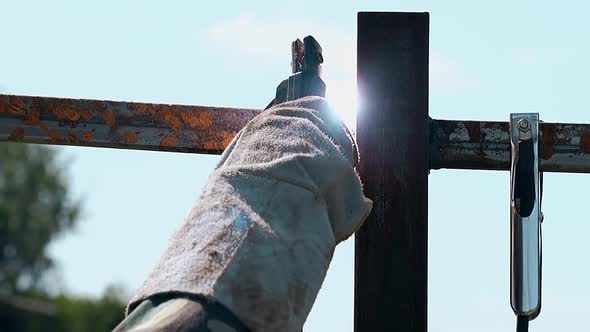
[[123, 125], [563, 147], [393, 139]]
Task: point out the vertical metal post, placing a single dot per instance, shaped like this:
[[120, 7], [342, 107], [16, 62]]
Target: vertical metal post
[[392, 133]]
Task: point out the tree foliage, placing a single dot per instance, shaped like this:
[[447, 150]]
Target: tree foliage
[[68, 313], [89, 314], [34, 209]]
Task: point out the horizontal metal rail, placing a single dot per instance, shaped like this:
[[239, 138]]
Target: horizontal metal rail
[[97, 123], [201, 129], [564, 147]]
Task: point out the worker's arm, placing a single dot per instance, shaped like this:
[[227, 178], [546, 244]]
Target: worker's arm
[[261, 236]]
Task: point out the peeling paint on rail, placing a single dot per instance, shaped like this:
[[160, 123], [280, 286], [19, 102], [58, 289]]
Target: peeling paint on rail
[[486, 145]]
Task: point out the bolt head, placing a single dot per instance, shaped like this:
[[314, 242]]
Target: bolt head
[[524, 125]]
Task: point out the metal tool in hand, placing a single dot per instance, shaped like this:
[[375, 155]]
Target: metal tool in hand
[[306, 60], [525, 218]]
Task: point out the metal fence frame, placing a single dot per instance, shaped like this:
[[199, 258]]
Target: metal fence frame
[[399, 143]]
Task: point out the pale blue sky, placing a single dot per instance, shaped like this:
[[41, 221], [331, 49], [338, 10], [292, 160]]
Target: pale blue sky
[[487, 60]]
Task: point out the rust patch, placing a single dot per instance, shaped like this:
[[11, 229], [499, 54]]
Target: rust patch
[[202, 120], [130, 137], [86, 115], [585, 143], [71, 137], [33, 118], [17, 134], [73, 115], [98, 105], [52, 134], [168, 142], [212, 145], [68, 112], [546, 151], [221, 144], [87, 136], [143, 108], [17, 103], [546, 148], [191, 118], [3, 106], [109, 118], [205, 119], [227, 137], [16, 110], [170, 119], [474, 130]]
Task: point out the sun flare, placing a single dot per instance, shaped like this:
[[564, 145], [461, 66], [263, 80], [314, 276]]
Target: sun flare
[[342, 95]]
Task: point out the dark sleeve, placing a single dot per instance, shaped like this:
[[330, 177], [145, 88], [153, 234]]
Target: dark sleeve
[[182, 313]]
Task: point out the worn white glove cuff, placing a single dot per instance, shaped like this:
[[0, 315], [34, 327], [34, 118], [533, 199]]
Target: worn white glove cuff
[[261, 236]]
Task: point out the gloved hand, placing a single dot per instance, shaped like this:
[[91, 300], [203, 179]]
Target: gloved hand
[[261, 236]]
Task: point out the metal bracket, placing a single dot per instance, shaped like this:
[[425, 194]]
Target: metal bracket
[[525, 215]]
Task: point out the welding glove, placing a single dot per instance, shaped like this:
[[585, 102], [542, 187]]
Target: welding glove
[[260, 238]]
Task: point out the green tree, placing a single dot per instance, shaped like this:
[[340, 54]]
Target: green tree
[[70, 313], [89, 314], [34, 209]]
